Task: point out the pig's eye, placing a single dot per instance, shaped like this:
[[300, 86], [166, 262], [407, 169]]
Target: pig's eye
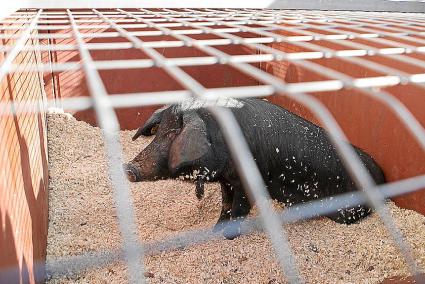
[[154, 129]]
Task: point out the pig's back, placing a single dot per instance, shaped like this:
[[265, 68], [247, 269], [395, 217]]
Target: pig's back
[[284, 143], [274, 132]]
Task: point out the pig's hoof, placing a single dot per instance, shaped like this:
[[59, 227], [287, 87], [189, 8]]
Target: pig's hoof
[[219, 227], [232, 230]]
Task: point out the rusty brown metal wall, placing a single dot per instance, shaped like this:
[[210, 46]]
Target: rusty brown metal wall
[[23, 179], [72, 83], [367, 123]]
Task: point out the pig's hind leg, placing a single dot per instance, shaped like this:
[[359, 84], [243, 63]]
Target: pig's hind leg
[[226, 206], [240, 209]]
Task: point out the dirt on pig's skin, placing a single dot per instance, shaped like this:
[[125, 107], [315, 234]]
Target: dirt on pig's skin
[[82, 218]]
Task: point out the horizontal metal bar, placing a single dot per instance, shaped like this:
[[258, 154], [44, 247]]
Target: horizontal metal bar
[[134, 99]]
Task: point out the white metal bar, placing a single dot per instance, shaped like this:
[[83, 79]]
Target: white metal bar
[[137, 99], [109, 123]]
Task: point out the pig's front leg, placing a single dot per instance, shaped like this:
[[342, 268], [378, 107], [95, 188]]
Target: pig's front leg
[[226, 206], [240, 208]]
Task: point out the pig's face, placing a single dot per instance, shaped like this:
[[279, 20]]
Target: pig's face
[[180, 147]]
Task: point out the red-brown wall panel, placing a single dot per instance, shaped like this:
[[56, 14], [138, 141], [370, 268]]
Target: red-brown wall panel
[[121, 81], [368, 123], [23, 178]]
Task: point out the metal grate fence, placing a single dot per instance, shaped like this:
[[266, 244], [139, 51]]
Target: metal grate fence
[[393, 36]]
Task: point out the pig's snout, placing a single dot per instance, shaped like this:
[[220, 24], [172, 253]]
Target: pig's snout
[[132, 172]]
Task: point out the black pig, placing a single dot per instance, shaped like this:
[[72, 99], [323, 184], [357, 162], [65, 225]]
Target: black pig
[[294, 156]]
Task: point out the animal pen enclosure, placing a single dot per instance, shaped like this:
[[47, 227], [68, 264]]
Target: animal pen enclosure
[[358, 74]]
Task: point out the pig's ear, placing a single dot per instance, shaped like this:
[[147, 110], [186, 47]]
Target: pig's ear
[[191, 144], [151, 125]]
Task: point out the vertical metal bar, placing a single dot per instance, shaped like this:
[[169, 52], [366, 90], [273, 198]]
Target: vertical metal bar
[[109, 123]]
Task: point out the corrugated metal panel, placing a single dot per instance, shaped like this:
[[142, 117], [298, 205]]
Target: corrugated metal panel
[[23, 178]]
